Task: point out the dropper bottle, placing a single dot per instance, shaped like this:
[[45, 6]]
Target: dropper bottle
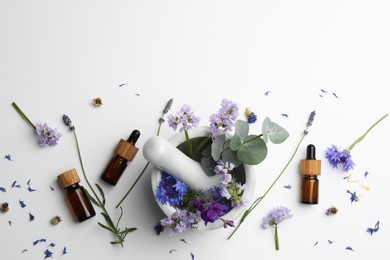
[[310, 169], [125, 151]]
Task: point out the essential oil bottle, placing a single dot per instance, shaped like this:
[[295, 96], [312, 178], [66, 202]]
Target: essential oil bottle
[[310, 168], [76, 195], [125, 151]]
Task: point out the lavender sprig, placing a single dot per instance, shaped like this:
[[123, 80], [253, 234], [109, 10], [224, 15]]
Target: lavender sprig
[[259, 199], [100, 201]]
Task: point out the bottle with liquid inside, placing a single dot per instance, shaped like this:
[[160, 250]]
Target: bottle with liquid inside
[[310, 168], [76, 196], [125, 151]]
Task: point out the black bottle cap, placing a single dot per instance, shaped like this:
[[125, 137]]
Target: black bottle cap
[[134, 137], [311, 152]]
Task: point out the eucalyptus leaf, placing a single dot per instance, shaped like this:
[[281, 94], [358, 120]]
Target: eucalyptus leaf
[[276, 133], [231, 156], [241, 130], [208, 165], [206, 152], [252, 152], [265, 129], [217, 147]]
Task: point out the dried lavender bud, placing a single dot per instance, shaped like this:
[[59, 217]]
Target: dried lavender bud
[[55, 220], [168, 106], [309, 122], [4, 207]]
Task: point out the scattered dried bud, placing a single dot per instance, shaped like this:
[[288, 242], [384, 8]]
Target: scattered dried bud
[[4, 207], [55, 220], [331, 211], [97, 102]]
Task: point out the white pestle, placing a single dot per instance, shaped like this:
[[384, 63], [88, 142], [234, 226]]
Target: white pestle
[[166, 157]]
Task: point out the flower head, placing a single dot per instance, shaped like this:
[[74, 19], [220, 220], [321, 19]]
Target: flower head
[[225, 118], [276, 216], [185, 118], [68, 122], [337, 156], [252, 117], [47, 136], [209, 211], [180, 221], [171, 190], [227, 223]]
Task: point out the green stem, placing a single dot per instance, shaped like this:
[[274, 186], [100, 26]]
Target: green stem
[[276, 238], [22, 114], [254, 138], [364, 135], [201, 145], [100, 203], [259, 199], [189, 143]]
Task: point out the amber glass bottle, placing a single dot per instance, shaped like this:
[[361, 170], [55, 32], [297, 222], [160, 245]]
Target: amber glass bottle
[[125, 151], [310, 169], [76, 195]]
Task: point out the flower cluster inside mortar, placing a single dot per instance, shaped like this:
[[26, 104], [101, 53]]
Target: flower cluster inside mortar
[[203, 175]]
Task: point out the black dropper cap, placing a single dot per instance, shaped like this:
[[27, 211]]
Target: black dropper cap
[[134, 137], [310, 152]]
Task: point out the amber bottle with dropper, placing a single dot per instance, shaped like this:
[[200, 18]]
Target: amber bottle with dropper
[[310, 169], [76, 196], [125, 151]]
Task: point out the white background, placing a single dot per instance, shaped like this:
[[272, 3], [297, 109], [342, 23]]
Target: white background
[[56, 56]]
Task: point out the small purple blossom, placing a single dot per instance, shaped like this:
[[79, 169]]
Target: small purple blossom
[[227, 223], [337, 156], [185, 119], [209, 212], [47, 136], [276, 216], [171, 190], [225, 118], [374, 229], [223, 167], [353, 197], [180, 221]]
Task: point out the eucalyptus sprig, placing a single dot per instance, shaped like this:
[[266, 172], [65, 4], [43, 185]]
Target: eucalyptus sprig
[[272, 129], [100, 200]]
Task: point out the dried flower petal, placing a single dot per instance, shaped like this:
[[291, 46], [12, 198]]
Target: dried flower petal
[[32, 217], [267, 93], [192, 256], [16, 185], [349, 248], [123, 84], [285, 115], [8, 157], [316, 243], [288, 186], [183, 240], [3, 189], [48, 254], [334, 94], [330, 242], [374, 229], [354, 197], [172, 250], [52, 245], [68, 122], [64, 251], [22, 204], [42, 240], [47, 135]]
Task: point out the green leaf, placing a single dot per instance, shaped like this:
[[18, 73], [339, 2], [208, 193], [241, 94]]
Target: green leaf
[[276, 133], [241, 130], [265, 129], [109, 221], [217, 147], [120, 217], [253, 152], [208, 165], [231, 156], [128, 230], [94, 201], [101, 193], [105, 227]]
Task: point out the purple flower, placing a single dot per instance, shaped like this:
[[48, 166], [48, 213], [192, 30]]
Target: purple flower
[[227, 223], [225, 118], [276, 216], [180, 221], [68, 122], [47, 136], [209, 212], [185, 119], [337, 156], [223, 167], [171, 190]]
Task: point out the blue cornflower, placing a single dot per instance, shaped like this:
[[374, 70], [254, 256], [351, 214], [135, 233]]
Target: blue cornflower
[[337, 156], [171, 190], [225, 118], [180, 221], [354, 197], [374, 229], [275, 217], [185, 119]]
